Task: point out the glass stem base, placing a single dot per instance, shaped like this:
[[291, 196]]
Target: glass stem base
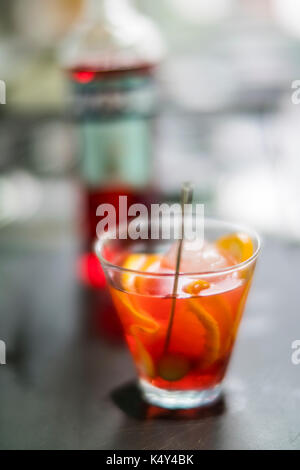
[[178, 399]]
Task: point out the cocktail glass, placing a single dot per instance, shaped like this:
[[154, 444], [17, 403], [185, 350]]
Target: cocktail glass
[[181, 363]]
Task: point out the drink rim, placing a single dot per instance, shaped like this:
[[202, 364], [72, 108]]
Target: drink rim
[[218, 272]]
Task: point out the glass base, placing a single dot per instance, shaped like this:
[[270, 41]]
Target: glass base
[[179, 399]]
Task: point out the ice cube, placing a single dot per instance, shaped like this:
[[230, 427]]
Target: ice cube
[[196, 257]]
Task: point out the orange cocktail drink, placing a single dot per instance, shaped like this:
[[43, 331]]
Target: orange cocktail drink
[[182, 364]]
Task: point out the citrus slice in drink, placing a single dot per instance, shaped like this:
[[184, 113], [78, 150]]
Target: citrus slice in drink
[[212, 334], [143, 358], [195, 287], [143, 263], [194, 339], [239, 245], [141, 327], [219, 309], [129, 313], [146, 284], [136, 320], [133, 262]]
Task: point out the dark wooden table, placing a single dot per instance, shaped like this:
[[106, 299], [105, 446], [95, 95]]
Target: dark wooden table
[[69, 382]]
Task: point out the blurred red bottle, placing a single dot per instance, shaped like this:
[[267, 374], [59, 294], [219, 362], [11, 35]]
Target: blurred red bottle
[[111, 58]]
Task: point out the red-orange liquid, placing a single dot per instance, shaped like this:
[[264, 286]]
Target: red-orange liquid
[[202, 336]]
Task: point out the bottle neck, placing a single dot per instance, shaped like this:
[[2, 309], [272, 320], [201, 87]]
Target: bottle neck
[[100, 8]]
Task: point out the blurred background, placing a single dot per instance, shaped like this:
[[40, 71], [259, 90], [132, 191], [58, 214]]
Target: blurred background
[[101, 101], [224, 120]]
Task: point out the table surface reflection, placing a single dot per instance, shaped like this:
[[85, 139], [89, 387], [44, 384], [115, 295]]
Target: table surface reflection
[[69, 381]]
